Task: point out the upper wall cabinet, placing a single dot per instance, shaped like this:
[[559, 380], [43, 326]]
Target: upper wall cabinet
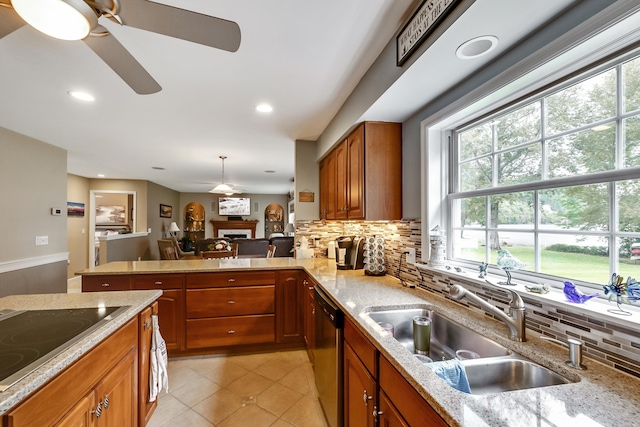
[[362, 177]]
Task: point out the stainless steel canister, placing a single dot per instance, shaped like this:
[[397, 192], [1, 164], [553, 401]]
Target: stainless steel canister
[[421, 334]]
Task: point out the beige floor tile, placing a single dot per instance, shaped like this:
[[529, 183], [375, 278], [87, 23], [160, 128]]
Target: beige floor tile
[[281, 423], [275, 369], [251, 361], [251, 384], [180, 375], [277, 399], [296, 380], [250, 415], [188, 418], [226, 373], [219, 406], [304, 414], [204, 364], [295, 357], [168, 408], [195, 391]]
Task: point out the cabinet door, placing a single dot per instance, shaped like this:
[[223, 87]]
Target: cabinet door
[[171, 318], [355, 174], [388, 414], [328, 187], [146, 408], [118, 394], [359, 392], [80, 415], [342, 179], [309, 317], [290, 307]]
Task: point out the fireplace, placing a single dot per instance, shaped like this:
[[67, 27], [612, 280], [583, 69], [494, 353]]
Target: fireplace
[[234, 233], [233, 229]]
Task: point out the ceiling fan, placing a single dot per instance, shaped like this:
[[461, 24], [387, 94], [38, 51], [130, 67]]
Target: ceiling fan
[[223, 188], [78, 20]]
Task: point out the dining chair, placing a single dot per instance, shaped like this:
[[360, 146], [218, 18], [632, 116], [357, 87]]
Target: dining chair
[[271, 251], [170, 253]]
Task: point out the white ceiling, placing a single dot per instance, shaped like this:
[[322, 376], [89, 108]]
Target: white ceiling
[[302, 57]]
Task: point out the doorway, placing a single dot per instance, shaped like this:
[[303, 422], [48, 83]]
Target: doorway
[[110, 212]]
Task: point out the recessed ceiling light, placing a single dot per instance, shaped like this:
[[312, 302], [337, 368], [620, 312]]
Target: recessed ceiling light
[[83, 96], [264, 108], [269, 171], [100, 175], [476, 47]]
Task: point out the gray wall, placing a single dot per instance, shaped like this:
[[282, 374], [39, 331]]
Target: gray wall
[[157, 195], [307, 179], [34, 180]]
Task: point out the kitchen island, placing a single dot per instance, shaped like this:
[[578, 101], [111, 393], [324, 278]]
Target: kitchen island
[[74, 370], [599, 396]]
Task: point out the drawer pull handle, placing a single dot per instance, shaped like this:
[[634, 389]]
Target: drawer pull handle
[[231, 331], [158, 283], [147, 324], [98, 411], [231, 302], [366, 398], [231, 280], [105, 403], [104, 285]]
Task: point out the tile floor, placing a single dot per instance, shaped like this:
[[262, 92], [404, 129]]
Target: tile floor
[[258, 390]]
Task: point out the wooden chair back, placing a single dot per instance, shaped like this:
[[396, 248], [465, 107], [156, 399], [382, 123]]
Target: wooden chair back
[[170, 253], [216, 254]]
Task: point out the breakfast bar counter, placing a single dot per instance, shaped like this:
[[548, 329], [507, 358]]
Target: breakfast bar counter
[[598, 396]]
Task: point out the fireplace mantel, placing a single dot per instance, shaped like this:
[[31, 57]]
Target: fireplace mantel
[[237, 225]]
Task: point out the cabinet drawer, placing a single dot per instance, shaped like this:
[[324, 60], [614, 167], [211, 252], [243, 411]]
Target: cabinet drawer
[[106, 283], [213, 280], [238, 301], [163, 281], [228, 331], [414, 409], [361, 346]]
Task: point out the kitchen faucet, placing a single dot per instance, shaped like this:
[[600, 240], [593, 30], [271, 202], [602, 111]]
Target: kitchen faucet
[[515, 320]]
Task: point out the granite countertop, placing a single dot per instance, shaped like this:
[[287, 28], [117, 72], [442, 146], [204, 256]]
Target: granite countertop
[[600, 396], [135, 300]]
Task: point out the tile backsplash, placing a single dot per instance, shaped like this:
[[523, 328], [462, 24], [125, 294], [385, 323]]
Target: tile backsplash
[[611, 343]]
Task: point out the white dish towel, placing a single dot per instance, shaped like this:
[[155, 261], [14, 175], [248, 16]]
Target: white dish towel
[[158, 375]]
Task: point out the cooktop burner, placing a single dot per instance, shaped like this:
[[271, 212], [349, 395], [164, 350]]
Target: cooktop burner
[[30, 338]]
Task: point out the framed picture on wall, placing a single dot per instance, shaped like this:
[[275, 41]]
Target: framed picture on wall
[[75, 209], [166, 211]]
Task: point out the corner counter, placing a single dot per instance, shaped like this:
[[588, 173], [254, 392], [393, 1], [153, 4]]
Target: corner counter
[[135, 300], [600, 396]]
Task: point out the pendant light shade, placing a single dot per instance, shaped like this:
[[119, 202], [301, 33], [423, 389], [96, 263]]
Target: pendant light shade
[[62, 19], [223, 188]]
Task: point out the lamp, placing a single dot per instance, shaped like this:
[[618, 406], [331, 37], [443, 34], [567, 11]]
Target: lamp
[[289, 230], [173, 229], [62, 19], [223, 188]]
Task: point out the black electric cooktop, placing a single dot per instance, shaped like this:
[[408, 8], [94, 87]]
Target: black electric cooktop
[[30, 338]]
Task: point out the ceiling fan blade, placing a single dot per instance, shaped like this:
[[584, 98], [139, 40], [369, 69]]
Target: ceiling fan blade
[[182, 24], [122, 62], [9, 20]]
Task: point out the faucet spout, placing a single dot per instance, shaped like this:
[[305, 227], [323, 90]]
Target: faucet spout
[[515, 320]]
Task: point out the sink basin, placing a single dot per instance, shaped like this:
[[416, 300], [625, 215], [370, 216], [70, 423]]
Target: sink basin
[[488, 376], [447, 336], [493, 369]]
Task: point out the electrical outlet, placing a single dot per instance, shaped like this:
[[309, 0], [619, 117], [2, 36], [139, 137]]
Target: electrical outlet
[[411, 255], [42, 240]]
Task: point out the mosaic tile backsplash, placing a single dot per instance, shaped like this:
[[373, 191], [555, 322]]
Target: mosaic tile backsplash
[[615, 345]]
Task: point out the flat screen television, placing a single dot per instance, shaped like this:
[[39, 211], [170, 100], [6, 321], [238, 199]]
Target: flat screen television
[[234, 206]]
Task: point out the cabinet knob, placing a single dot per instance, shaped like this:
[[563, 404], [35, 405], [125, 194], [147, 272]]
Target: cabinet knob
[[147, 324], [231, 332], [366, 398], [105, 285], [98, 411], [376, 413]]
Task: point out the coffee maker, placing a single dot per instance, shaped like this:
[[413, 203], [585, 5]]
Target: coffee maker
[[350, 252]]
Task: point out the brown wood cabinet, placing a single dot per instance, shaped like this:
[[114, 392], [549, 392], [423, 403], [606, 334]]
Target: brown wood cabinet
[[170, 305], [362, 177], [309, 316], [145, 330], [72, 398], [290, 297], [106, 283], [387, 397]]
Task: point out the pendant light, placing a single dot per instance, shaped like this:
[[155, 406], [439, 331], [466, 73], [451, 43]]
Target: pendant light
[[223, 188]]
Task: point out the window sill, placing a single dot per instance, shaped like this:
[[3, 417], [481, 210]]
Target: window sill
[[597, 307]]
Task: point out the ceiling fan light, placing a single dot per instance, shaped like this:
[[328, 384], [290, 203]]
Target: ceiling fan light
[[61, 19]]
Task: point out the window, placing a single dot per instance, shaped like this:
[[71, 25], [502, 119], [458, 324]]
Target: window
[[555, 180]]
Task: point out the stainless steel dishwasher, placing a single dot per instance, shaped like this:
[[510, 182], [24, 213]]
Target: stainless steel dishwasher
[[327, 365]]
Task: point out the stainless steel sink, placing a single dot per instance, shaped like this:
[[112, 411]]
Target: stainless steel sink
[[447, 336], [495, 369], [488, 376]]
